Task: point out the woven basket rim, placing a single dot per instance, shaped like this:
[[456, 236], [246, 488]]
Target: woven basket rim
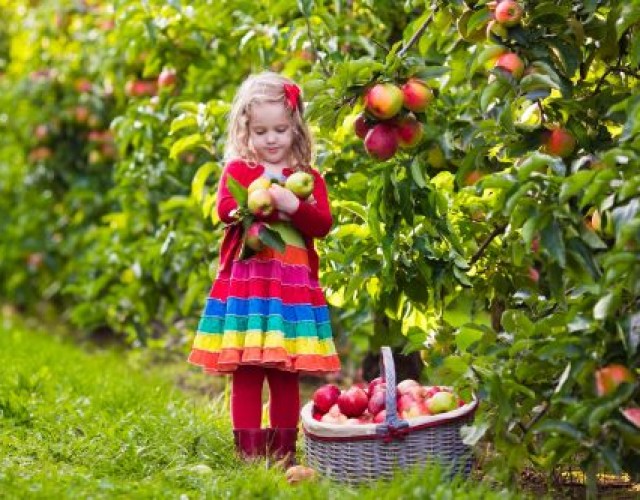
[[348, 432]]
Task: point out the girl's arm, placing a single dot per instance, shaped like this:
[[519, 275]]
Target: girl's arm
[[314, 219]]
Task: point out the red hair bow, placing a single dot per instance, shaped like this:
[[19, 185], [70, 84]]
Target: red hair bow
[[291, 95]]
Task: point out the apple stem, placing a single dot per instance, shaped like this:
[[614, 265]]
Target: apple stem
[[542, 117]]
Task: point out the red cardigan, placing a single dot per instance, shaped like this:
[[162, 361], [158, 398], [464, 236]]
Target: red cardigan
[[312, 220]]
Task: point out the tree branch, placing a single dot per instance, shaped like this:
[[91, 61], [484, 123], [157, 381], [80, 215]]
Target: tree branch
[[416, 36], [314, 47], [486, 243]]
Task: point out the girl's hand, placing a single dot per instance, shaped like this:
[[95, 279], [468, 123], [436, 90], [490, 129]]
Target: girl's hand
[[283, 199]]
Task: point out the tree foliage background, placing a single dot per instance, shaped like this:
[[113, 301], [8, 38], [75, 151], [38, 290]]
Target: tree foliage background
[[514, 271]]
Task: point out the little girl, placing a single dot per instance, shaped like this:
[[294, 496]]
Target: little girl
[[266, 315]]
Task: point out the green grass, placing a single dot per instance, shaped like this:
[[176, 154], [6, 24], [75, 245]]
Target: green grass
[[75, 424]]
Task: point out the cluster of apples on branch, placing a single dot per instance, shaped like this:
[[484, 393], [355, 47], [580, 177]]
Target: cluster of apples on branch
[[389, 122], [366, 404], [608, 379], [505, 15]]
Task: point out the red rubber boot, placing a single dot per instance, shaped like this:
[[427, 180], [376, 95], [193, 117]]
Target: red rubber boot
[[251, 444], [281, 445]]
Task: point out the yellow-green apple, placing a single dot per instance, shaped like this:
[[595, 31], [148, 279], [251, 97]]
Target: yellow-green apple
[[416, 95], [325, 397], [559, 142], [253, 237], [441, 402], [259, 183], [508, 13], [362, 125], [353, 402], [511, 63], [260, 203], [610, 377], [409, 131], [435, 157], [632, 415], [377, 402], [381, 141], [167, 78], [301, 184], [383, 100]]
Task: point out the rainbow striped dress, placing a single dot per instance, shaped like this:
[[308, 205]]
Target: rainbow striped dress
[[267, 310]]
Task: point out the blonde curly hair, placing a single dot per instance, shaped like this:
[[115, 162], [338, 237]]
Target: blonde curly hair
[[266, 87]]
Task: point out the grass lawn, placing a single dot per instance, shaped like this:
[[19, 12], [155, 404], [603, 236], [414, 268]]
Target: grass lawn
[[75, 424]]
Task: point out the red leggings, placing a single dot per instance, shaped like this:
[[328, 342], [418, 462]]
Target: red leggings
[[246, 397]]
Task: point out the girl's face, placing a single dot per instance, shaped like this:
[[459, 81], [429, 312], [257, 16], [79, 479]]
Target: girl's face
[[271, 133]]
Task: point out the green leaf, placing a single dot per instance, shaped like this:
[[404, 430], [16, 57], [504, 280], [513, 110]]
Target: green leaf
[[517, 323], [559, 427], [468, 335], [571, 185], [183, 121], [479, 17], [472, 434], [416, 173], [537, 81], [186, 143], [237, 190], [199, 180], [553, 243], [606, 306], [271, 238]]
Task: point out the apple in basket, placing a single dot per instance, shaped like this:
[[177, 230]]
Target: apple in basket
[[405, 386], [334, 416], [325, 397], [441, 402], [380, 417], [374, 384], [377, 402], [353, 402]]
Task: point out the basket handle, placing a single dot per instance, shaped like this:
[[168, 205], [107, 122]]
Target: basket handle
[[388, 371]]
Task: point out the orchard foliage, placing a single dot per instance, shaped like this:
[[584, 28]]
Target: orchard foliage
[[507, 241]]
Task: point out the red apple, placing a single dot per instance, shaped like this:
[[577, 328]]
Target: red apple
[[508, 13], [325, 397], [167, 78], [535, 245], [632, 415], [328, 418], [430, 391], [353, 402], [362, 125], [376, 382], [40, 153], [81, 114], [441, 402], [610, 377], [377, 402], [416, 95], [383, 100], [253, 237], [409, 132], [82, 85], [472, 177], [534, 275], [559, 142], [316, 414], [301, 184], [512, 63], [260, 203], [42, 132], [381, 141], [380, 417]]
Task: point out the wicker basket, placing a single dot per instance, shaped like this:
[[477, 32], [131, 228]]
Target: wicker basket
[[358, 453]]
